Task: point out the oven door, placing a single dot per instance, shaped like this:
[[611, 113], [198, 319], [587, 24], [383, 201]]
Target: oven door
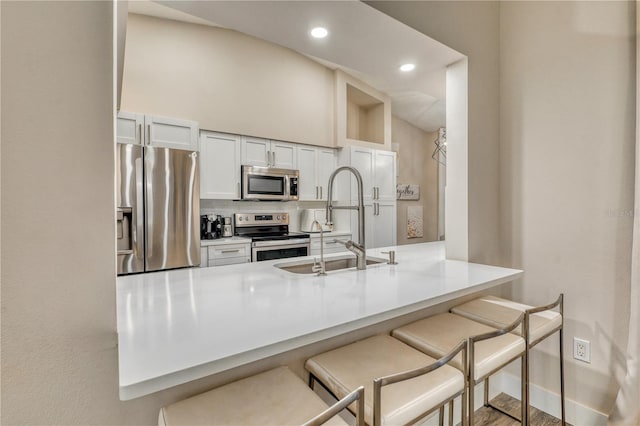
[[272, 250]]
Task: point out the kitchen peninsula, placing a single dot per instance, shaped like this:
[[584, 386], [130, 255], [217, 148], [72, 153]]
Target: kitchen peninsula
[[181, 325]]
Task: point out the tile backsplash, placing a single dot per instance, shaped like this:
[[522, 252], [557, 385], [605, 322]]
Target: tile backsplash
[[294, 208]]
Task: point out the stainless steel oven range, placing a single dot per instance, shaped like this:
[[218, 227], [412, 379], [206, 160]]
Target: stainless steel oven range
[[270, 236]]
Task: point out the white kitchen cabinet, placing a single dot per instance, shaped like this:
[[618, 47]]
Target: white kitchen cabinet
[[378, 171], [316, 165], [267, 153], [330, 246], [222, 253], [204, 259], [384, 188], [129, 128], [384, 224], [219, 166], [154, 130]]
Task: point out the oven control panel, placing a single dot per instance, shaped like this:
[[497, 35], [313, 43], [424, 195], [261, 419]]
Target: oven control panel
[[258, 219]]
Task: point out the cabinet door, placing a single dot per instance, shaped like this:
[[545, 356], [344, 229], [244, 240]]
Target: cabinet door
[[165, 132], [384, 224], [129, 128], [283, 155], [219, 166], [255, 151], [327, 163], [363, 160], [385, 175], [307, 164], [204, 262]]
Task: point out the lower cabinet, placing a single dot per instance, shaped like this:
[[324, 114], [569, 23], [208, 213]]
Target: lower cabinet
[[225, 254], [330, 246]]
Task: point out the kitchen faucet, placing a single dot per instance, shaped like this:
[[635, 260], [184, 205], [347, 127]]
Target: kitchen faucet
[[319, 268], [357, 248]]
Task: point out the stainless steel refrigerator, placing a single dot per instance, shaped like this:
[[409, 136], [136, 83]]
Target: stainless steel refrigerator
[[158, 208]]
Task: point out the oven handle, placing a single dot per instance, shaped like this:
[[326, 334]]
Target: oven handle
[[283, 243]]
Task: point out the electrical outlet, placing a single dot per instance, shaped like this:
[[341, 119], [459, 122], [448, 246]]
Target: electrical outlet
[[581, 350]]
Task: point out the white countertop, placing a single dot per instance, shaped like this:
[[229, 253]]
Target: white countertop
[[224, 241], [181, 325]]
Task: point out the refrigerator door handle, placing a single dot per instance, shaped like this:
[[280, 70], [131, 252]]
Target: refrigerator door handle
[[139, 213]]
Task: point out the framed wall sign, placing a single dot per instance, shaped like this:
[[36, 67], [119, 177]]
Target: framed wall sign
[[407, 191]]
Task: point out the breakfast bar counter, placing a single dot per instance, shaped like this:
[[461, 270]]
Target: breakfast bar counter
[[181, 325]]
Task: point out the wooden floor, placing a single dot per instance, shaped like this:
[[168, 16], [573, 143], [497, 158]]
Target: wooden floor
[[489, 416]]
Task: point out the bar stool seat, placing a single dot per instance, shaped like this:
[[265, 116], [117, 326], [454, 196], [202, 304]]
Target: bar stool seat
[[342, 370], [436, 335], [275, 397], [498, 313], [489, 349], [541, 320]]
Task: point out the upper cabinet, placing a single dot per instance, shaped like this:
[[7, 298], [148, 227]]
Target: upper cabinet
[[267, 153], [363, 114], [316, 165], [153, 130], [378, 171], [219, 166], [130, 127]]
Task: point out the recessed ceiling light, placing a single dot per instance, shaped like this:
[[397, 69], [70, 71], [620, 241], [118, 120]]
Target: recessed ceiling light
[[407, 67], [319, 32]]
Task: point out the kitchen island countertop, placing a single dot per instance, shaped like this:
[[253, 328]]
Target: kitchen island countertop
[[181, 325]]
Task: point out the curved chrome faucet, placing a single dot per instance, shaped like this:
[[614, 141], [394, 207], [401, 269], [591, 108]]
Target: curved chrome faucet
[[357, 248]]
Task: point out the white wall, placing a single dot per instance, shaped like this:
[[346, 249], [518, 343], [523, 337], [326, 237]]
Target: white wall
[[227, 81], [59, 356], [471, 28], [567, 79]]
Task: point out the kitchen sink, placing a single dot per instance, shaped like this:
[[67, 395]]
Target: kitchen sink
[[331, 264]]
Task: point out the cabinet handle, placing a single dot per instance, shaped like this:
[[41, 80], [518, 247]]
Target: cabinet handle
[[377, 209], [316, 192], [230, 251], [139, 134], [149, 132], [273, 158], [268, 157], [321, 193], [238, 193]]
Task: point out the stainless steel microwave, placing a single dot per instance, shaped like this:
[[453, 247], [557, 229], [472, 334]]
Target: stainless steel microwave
[[266, 183]]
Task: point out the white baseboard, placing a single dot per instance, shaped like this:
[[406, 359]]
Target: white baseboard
[[549, 402]]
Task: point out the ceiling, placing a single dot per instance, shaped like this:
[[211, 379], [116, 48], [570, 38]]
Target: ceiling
[[362, 41]]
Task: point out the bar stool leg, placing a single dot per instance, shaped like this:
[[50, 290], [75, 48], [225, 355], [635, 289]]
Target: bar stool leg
[[486, 392], [524, 391], [472, 381], [451, 413], [441, 416], [562, 374]]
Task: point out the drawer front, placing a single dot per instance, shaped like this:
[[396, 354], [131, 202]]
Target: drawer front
[[229, 250], [229, 261]]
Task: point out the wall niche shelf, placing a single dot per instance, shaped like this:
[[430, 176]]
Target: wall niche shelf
[[363, 114]]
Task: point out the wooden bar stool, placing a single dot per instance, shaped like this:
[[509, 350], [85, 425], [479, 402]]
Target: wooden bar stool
[[541, 322], [415, 384], [489, 349], [275, 397]]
